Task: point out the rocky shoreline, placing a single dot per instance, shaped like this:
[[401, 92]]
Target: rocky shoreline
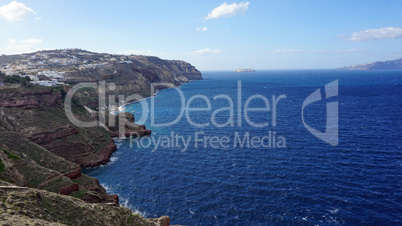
[[42, 152]]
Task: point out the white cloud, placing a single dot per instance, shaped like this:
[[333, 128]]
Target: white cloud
[[31, 41], [320, 51], [201, 29], [336, 51], [23, 46], [374, 34], [226, 10], [287, 51], [348, 50], [11, 41], [317, 51], [203, 52], [15, 11]]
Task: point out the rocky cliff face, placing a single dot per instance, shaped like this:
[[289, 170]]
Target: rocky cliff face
[[137, 77], [25, 163], [41, 149], [379, 65], [37, 114]]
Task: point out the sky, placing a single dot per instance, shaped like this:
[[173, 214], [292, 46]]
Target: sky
[[212, 35]]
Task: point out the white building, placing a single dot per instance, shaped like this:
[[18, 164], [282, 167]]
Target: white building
[[33, 78], [52, 74], [48, 83]]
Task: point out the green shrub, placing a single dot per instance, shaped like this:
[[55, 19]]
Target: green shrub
[[1, 166], [11, 155], [24, 81]]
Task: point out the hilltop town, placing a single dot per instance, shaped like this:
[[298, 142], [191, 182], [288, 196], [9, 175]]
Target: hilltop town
[[58, 67]]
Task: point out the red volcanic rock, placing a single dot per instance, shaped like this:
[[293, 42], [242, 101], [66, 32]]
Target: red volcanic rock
[[69, 189], [161, 221], [47, 136], [20, 102], [139, 133], [133, 133], [73, 174], [112, 199], [30, 99], [105, 154], [102, 157]]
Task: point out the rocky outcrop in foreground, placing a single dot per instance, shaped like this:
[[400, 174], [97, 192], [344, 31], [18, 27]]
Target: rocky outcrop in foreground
[[28, 206], [24, 163], [379, 65]]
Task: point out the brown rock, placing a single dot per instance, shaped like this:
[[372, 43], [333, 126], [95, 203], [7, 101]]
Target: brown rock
[[161, 221], [102, 157], [112, 199], [30, 99], [69, 189], [74, 174], [49, 136]]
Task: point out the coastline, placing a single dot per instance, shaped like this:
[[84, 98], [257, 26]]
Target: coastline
[[52, 154], [154, 94], [110, 157], [119, 108]]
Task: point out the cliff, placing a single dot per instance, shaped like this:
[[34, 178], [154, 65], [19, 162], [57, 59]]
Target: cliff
[[25, 163], [37, 114], [27, 206], [379, 65], [41, 149]]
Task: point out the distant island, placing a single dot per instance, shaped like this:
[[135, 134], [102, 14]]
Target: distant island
[[379, 65], [244, 70]]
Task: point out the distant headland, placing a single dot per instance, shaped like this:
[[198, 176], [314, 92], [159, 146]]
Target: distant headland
[[379, 65]]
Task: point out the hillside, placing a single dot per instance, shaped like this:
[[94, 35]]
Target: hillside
[[379, 65], [28, 206], [40, 148], [131, 74]]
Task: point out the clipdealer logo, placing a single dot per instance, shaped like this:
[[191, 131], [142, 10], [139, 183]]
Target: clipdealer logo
[[331, 134], [199, 139]]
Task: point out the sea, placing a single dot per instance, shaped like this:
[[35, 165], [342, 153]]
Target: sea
[[286, 147]]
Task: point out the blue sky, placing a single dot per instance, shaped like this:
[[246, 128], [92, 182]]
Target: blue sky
[[212, 35]]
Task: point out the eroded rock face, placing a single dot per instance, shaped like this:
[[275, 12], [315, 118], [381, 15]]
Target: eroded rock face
[[69, 189], [42, 120], [125, 124], [21, 206], [41, 148], [40, 134], [30, 98], [28, 164]]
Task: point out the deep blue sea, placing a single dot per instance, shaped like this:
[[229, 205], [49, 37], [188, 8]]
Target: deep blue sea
[[250, 159]]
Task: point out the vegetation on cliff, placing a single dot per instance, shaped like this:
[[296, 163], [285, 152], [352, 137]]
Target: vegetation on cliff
[[41, 149], [27, 206]]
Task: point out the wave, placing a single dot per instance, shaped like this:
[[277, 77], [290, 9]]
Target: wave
[[125, 202]]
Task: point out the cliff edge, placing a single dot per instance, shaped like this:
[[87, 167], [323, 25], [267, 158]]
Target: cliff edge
[[28, 206], [42, 151]]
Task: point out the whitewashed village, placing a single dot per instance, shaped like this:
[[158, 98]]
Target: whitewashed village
[[52, 67]]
